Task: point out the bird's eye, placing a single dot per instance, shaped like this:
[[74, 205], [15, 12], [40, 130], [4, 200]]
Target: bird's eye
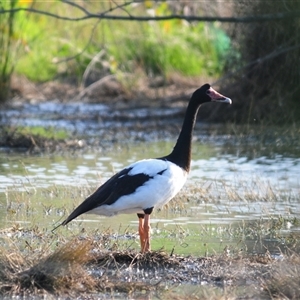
[[208, 92]]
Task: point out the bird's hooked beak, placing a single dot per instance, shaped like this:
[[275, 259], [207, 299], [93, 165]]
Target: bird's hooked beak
[[217, 97]]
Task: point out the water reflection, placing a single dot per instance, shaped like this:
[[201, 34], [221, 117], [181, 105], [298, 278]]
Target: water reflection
[[207, 164]]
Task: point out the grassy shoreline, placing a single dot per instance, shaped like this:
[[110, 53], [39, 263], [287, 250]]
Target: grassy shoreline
[[81, 266], [105, 263]]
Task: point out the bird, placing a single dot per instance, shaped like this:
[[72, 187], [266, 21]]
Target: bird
[[149, 183]]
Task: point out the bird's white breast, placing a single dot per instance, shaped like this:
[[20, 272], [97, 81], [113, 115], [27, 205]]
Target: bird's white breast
[[166, 181]]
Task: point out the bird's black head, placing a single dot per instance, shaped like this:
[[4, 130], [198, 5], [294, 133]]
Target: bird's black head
[[207, 94]]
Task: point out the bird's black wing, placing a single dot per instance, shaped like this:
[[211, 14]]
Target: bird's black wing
[[117, 186]]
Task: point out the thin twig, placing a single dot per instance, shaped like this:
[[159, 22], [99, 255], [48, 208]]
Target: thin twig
[[88, 15], [77, 6], [120, 6], [84, 48]]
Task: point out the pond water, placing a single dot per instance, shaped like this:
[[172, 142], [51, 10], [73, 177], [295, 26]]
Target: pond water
[[237, 189], [223, 192]]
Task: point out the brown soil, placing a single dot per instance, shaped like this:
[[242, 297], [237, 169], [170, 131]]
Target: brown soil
[[142, 91]]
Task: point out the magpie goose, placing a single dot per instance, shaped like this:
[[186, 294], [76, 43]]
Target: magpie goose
[[149, 183]]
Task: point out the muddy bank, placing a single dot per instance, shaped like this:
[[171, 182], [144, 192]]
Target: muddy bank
[[88, 123], [143, 91], [80, 268], [103, 111]]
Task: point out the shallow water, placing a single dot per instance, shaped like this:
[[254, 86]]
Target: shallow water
[[239, 191], [82, 118], [234, 186]]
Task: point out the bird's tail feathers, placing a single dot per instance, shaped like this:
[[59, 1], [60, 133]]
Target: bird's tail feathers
[[61, 224]]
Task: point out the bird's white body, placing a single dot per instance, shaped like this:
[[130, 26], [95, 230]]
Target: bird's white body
[[166, 181]]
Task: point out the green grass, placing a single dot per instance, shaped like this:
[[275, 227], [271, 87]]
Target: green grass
[[42, 132], [35, 139], [36, 132], [161, 49], [157, 48], [8, 47]]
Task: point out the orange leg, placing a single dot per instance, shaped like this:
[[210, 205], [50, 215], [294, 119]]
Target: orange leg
[[141, 231], [146, 234]]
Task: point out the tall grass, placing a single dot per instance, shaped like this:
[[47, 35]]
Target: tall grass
[[49, 45], [7, 47], [171, 46], [58, 49]]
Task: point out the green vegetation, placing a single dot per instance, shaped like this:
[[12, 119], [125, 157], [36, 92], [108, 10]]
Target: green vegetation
[[260, 63], [34, 139], [171, 46], [54, 48], [7, 48], [42, 132], [48, 43]]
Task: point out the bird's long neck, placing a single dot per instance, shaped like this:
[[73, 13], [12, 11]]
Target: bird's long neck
[[181, 154]]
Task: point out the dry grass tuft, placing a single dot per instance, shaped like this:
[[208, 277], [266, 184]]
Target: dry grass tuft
[[11, 262], [60, 272], [285, 280], [81, 268], [149, 260]]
